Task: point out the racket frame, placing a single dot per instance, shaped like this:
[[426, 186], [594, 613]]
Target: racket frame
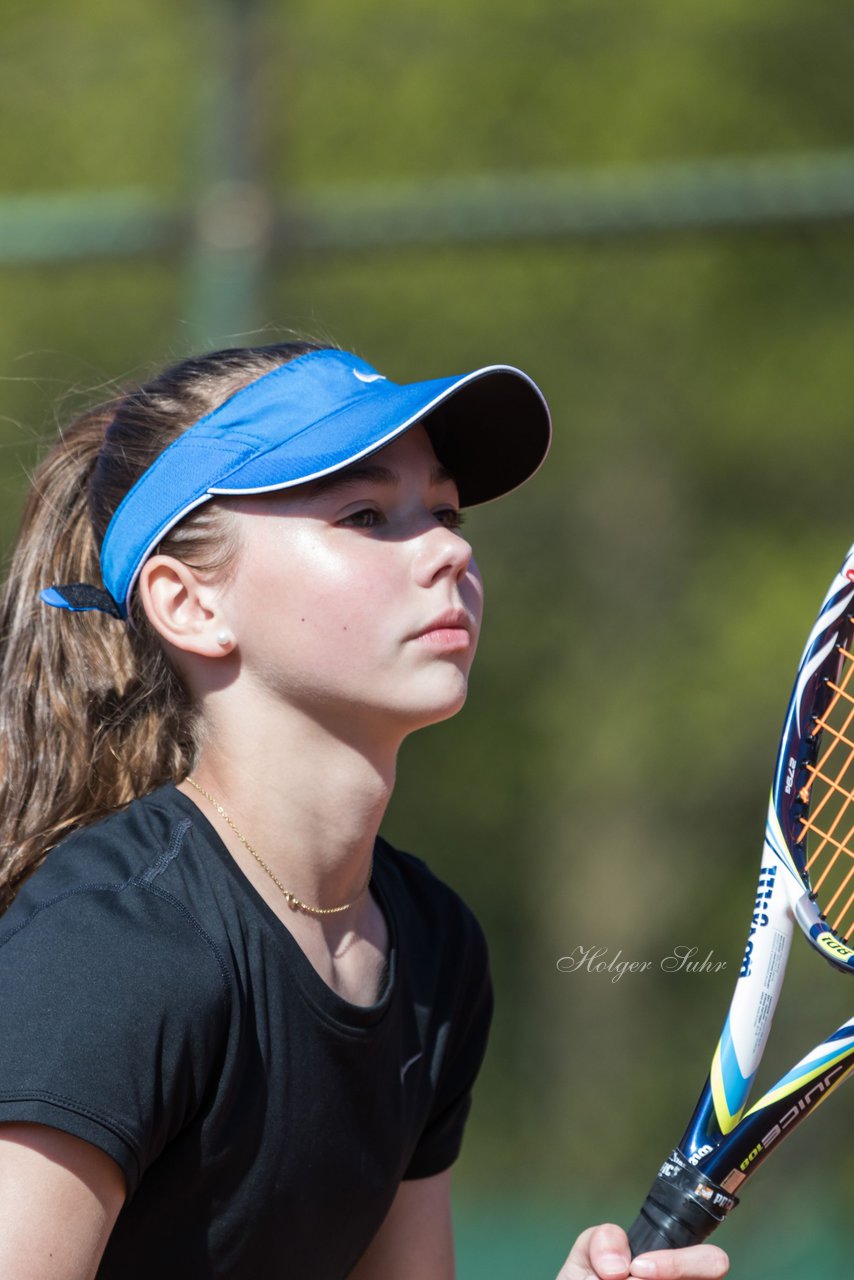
[[722, 1145]]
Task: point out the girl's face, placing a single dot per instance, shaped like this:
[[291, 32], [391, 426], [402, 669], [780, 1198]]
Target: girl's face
[[356, 598]]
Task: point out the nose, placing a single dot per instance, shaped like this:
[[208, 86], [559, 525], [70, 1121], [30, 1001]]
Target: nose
[[442, 552]]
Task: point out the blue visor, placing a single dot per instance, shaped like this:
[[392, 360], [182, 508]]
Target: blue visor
[[309, 418]]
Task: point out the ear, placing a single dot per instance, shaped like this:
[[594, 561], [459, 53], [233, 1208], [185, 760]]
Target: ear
[[182, 607]]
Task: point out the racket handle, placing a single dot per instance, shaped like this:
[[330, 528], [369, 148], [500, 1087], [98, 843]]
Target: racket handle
[[683, 1207]]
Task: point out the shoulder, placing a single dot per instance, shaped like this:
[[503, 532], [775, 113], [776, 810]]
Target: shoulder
[[130, 844], [422, 891], [102, 898], [432, 916], [117, 1001]]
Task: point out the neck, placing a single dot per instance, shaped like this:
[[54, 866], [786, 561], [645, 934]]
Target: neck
[[309, 802]]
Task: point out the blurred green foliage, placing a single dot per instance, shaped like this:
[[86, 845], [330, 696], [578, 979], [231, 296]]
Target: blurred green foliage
[[648, 593]]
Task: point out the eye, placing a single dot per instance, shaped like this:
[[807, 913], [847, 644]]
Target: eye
[[451, 517], [365, 518]]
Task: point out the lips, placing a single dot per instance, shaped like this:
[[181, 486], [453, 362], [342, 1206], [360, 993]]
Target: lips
[[450, 620], [451, 630]]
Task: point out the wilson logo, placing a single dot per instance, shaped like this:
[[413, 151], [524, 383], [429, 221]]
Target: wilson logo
[[764, 891]]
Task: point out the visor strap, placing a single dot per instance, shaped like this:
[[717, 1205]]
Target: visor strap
[[81, 597]]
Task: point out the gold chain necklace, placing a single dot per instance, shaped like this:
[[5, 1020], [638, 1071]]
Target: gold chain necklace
[[295, 903]]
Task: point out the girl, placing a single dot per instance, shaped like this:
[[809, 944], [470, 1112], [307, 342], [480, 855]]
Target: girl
[[238, 1031]]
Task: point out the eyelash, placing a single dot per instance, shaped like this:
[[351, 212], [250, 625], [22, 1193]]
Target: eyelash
[[453, 518]]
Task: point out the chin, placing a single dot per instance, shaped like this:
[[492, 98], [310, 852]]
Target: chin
[[438, 709]]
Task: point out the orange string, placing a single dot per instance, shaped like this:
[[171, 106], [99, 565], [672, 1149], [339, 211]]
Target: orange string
[[837, 785]]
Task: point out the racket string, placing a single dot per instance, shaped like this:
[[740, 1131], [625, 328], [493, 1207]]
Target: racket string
[[832, 839]]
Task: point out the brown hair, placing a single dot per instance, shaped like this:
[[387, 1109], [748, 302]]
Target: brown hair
[[92, 714]]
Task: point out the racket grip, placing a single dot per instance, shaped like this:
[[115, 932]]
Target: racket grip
[[683, 1207]]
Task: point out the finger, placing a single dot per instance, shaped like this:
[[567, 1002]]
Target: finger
[[599, 1253], [609, 1252], [699, 1262]]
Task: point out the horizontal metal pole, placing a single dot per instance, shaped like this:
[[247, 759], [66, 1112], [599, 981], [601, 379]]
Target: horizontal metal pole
[[69, 225], [708, 195]]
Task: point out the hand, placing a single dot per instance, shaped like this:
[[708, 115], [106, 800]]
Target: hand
[[602, 1253]]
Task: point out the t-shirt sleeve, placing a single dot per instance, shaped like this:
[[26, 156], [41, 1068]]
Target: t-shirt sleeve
[[467, 1036], [111, 1009]]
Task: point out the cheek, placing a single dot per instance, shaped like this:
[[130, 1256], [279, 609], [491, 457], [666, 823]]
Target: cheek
[[315, 595]]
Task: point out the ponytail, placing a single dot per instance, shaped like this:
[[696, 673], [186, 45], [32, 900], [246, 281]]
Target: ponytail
[[92, 714]]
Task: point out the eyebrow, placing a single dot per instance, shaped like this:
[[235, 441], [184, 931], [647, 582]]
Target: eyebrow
[[368, 472]]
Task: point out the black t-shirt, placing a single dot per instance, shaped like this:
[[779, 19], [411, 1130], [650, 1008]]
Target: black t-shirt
[[152, 1004]]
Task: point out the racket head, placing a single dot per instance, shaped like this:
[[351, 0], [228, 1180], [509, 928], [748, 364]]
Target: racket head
[[811, 816]]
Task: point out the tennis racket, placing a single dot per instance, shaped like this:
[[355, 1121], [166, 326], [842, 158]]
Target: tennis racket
[[806, 877]]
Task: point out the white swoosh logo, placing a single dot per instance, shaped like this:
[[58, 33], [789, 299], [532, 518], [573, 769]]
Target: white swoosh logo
[[369, 377], [407, 1065]]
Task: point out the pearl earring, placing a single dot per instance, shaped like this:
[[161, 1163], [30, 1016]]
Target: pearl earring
[[224, 637]]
